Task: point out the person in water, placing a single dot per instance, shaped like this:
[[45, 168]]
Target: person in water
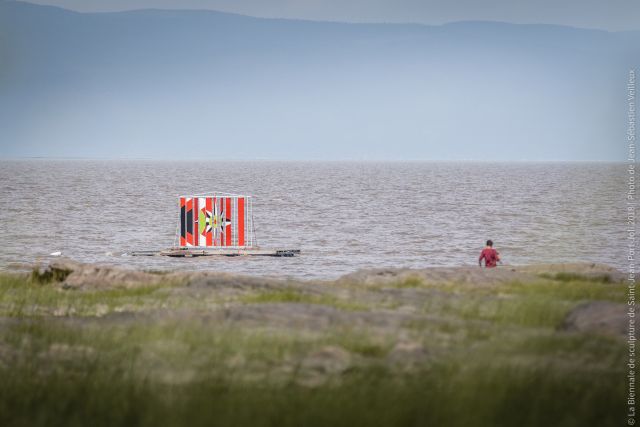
[[489, 255]]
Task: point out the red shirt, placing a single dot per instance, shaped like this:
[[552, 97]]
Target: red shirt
[[490, 257]]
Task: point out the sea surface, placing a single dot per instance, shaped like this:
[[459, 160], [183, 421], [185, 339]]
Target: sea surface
[[344, 216]]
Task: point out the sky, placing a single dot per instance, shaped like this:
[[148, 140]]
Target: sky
[[612, 15], [180, 84]]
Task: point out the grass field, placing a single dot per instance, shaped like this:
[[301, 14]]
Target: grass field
[[408, 352]]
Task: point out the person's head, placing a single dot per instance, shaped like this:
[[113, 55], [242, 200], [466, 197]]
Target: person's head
[[490, 243]]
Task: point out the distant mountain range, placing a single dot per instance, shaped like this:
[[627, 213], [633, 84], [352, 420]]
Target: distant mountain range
[[202, 84]]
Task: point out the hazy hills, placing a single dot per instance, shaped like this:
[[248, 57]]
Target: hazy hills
[[206, 84]]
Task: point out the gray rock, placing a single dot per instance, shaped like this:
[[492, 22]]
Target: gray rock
[[598, 317], [286, 315], [478, 276], [323, 364], [69, 274], [586, 270], [407, 355], [315, 317]]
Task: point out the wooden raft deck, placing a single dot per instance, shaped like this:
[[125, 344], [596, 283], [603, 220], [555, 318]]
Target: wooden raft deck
[[197, 252]]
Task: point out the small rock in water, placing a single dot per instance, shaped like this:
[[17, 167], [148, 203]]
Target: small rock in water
[[56, 253]]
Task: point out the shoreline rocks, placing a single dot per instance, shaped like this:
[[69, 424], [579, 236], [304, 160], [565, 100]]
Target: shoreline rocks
[[71, 274]]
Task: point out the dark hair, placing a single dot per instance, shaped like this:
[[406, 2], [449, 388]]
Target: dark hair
[[490, 243]]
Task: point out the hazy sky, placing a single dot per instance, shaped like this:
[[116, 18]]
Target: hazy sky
[[168, 84], [603, 14]]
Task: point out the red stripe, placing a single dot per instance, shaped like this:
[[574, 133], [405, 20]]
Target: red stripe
[[196, 230], [215, 203], [221, 230], [227, 228], [209, 233], [183, 242], [240, 221], [189, 236]]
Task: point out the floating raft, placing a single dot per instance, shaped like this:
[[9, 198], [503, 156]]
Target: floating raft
[[197, 252], [216, 224]]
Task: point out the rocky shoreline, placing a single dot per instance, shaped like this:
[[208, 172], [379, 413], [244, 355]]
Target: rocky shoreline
[[73, 274]]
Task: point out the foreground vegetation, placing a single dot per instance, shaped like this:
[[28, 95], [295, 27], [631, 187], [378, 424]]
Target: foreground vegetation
[[405, 351]]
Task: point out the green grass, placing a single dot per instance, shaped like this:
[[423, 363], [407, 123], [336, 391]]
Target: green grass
[[292, 296], [410, 282], [121, 384], [495, 359], [20, 297], [452, 394], [574, 290], [542, 303], [574, 277], [534, 311]]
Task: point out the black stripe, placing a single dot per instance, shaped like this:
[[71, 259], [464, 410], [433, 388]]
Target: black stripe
[[182, 217], [190, 221]]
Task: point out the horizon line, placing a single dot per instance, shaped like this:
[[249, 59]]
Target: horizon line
[[302, 160]]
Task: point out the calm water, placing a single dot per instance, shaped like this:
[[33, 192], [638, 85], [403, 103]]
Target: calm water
[[344, 216]]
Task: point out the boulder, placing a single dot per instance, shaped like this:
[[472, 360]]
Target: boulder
[[601, 317], [407, 355], [70, 274], [322, 364]]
